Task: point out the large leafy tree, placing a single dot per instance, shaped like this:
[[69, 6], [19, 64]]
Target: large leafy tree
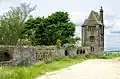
[[46, 31], [11, 23]]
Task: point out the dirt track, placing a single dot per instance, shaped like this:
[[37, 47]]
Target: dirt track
[[89, 69]]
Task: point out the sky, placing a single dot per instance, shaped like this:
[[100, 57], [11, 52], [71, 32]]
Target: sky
[[78, 11]]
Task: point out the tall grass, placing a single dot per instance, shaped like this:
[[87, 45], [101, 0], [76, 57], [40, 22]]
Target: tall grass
[[37, 69]]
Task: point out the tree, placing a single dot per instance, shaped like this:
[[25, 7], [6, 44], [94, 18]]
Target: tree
[[47, 30], [12, 22], [77, 38]]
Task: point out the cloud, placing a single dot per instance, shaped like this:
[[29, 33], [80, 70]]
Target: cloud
[[118, 32], [78, 17], [112, 36], [6, 4], [78, 31], [109, 20], [112, 28], [109, 24], [78, 13]]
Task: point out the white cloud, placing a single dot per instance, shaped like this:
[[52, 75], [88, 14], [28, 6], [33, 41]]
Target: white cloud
[[78, 17], [78, 13], [78, 31], [112, 36], [111, 24]]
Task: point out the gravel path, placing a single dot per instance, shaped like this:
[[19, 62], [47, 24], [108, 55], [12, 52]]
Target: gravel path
[[89, 69]]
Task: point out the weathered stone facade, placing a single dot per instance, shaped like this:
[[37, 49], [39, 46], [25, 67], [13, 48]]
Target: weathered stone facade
[[17, 55], [24, 55], [93, 33], [45, 53], [27, 55]]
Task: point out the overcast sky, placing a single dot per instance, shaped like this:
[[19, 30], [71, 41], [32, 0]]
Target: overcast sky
[[78, 11]]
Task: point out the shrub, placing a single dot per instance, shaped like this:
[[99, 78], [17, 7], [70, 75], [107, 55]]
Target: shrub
[[58, 43]]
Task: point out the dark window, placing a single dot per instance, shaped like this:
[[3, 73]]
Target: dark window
[[92, 38], [77, 51], [80, 51], [66, 53], [92, 49], [5, 55], [83, 51], [91, 28]]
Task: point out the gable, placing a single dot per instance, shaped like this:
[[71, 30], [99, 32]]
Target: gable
[[93, 19]]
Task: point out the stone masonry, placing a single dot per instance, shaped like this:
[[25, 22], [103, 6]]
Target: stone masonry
[[93, 33]]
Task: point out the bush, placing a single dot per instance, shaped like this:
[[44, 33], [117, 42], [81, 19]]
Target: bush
[[58, 43], [91, 56]]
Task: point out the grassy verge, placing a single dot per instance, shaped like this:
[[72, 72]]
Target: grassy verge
[[111, 55], [37, 69]]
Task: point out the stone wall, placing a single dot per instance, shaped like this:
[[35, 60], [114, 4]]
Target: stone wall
[[72, 51], [45, 53], [17, 55], [27, 55]]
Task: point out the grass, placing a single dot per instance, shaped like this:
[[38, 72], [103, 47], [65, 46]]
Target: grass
[[37, 69], [111, 55], [31, 72]]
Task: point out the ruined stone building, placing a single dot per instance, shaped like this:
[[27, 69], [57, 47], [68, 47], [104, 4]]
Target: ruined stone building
[[92, 42], [93, 33]]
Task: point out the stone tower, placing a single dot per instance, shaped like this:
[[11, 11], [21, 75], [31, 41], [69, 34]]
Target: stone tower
[[93, 33]]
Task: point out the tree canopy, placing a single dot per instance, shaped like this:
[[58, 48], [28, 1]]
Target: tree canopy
[[18, 27], [46, 31], [11, 23]]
